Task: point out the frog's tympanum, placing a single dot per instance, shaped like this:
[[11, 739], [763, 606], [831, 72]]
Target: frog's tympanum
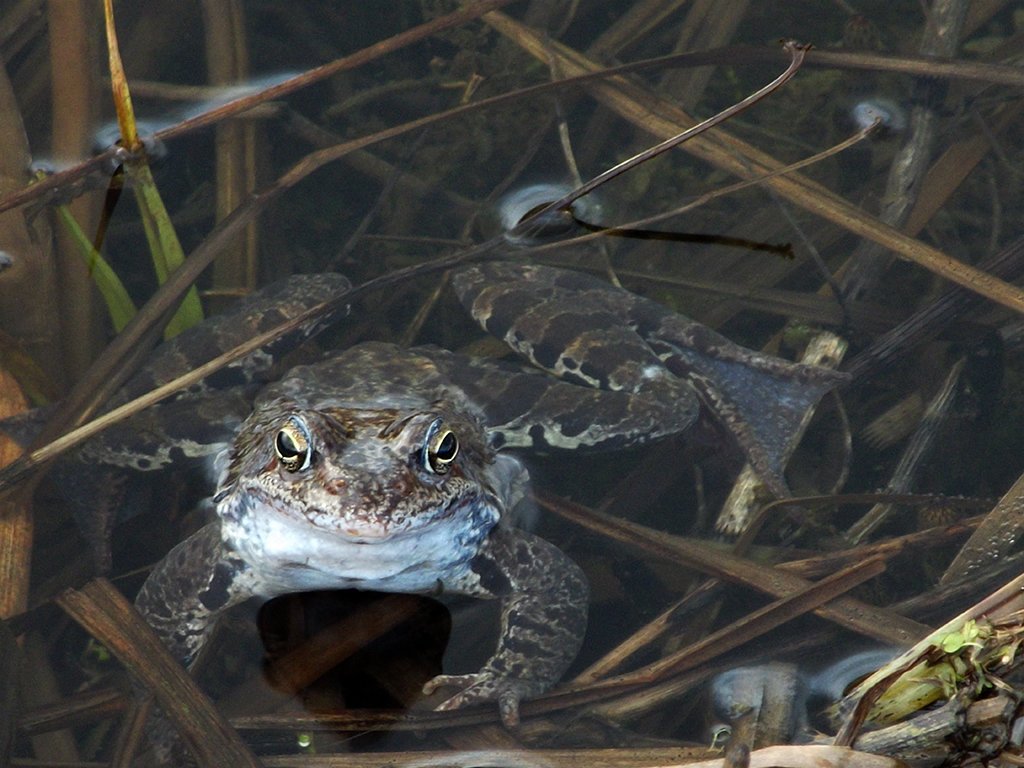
[[389, 469]]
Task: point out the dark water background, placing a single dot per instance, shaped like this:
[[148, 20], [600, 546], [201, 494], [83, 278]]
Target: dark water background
[[426, 193]]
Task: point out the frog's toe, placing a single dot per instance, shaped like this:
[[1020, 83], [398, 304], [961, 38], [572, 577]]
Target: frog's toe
[[482, 687], [508, 708], [450, 681]]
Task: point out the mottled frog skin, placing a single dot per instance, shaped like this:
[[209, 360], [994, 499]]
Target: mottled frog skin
[[186, 431], [372, 470], [583, 330], [388, 469]]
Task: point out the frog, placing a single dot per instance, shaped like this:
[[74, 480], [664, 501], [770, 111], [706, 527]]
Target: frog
[[372, 470], [399, 470]]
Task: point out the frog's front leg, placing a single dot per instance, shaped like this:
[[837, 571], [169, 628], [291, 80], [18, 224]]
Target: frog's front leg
[[543, 620], [190, 588]]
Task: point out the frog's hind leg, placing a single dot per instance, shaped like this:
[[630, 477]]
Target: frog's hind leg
[[761, 400], [585, 330]]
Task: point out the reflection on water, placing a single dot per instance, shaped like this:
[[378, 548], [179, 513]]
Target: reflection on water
[[109, 134], [412, 198], [520, 203], [780, 703]]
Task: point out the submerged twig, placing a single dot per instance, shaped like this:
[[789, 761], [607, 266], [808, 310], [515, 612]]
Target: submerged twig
[[877, 623], [729, 189], [108, 616], [913, 454], [754, 624], [796, 53], [993, 539], [653, 114]]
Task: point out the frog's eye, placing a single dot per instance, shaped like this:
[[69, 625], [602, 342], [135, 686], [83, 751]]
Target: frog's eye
[[293, 446], [440, 447]]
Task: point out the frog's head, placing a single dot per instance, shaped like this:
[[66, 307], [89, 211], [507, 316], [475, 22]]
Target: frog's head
[[347, 493]]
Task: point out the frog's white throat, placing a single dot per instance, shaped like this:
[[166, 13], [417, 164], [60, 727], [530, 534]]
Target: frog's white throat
[[288, 554]]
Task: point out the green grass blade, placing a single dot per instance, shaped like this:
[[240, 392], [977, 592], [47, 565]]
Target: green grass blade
[[119, 304], [163, 241], [163, 244]]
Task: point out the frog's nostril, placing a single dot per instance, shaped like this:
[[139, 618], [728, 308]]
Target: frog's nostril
[[335, 486]]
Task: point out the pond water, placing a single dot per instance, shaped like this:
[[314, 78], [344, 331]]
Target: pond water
[[763, 265]]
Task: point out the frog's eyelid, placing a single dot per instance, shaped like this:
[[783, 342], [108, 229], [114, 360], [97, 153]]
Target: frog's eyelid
[[397, 425], [440, 444]]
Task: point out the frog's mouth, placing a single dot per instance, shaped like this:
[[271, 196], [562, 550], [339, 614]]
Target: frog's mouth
[[458, 511], [290, 554]]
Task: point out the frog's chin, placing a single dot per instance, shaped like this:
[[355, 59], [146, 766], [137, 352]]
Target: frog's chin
[[288, 553]]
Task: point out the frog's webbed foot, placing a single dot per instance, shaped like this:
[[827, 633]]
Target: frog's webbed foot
[[543, 619]]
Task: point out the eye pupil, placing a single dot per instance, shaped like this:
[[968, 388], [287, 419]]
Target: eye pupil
[[448, 447], [292, 446], [286, 445], [440, 448]]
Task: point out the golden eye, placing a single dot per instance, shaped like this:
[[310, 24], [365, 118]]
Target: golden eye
[[440, 447], [293, 446]]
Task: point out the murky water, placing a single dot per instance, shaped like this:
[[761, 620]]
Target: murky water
[[432, 190]]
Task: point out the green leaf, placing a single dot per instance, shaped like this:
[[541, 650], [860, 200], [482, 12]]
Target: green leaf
[[120, 306], [164, 246]]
